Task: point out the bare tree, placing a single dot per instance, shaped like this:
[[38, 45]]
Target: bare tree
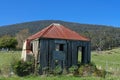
[[21, 36]]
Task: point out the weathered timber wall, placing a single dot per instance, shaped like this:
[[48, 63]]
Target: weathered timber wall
[[70, 49]]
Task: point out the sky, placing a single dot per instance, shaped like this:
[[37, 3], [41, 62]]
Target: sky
[[101, 12]]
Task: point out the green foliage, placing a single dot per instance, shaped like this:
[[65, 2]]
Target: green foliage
[[6, 61], [73, 69], [90, 70], [99, 73], [22, 68], [8, 42], [57, 70]]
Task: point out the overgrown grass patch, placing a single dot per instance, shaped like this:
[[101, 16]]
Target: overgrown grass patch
[[103, 61], [6, 61]]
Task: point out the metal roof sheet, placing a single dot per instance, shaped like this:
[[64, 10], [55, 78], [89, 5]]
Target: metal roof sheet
[[58, 31]]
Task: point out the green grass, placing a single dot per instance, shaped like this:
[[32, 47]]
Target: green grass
[[58, 78], [108, 60], [7, 57], [51, 78], [6, 60]]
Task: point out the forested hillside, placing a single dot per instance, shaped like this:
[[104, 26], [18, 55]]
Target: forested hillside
[[102, 37]]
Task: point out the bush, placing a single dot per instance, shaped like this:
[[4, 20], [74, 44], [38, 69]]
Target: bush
[[57, 70], [85, 70], [100, 73], [22, 68], [90, 70], [73, 69]]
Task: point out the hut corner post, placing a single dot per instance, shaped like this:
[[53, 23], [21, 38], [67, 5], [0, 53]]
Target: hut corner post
[[89, 52]]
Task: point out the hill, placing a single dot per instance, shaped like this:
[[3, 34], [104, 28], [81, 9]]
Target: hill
[[101, 36], [35, 26]]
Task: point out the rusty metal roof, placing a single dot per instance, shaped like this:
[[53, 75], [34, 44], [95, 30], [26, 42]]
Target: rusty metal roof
[[58, 31]]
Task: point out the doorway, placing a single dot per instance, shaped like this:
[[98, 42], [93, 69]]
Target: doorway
[[79, 54], [59, 56]]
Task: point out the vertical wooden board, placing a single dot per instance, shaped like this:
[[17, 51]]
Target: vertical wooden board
[[69, 53], [66, 55], [46, 52], [89, 52], [40, 69], [86, 54], [51, 49], [74, 53], [43, 53], [72, 45], [41, 56]]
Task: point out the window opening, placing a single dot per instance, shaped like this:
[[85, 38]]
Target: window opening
[[59, 47]]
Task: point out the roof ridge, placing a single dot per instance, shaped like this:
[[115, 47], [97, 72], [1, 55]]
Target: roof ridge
[[56, 24]]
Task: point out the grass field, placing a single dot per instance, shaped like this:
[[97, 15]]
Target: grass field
[[108, 60]]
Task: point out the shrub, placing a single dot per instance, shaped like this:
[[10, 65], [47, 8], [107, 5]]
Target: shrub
[[100, 73], [57, 70], [90, 70], [22, 68], [73, 69]]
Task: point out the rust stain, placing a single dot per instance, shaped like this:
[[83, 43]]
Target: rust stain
[[57, 31]]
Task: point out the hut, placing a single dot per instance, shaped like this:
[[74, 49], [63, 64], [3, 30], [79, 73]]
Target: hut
[[57, 45]]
